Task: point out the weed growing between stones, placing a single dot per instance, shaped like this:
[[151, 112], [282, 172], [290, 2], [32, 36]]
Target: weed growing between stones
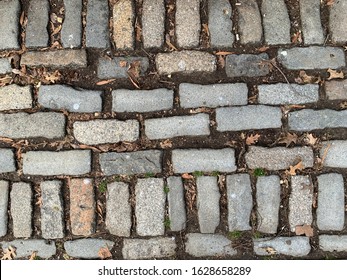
[[167, 223], [234, 234], [259, 172], [166, 189], [103, 186], [149, 175], [198, 173]]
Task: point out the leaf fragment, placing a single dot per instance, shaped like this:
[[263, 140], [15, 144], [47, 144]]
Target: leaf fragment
[[104, 253], [293, 169], [105, 82], [306, 230], [333, 74], [252, 139], [9, 253], [310, 139], [288, 139], [187, 176]]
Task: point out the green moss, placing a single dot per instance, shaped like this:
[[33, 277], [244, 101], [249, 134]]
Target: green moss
[[215, 173], [149, 175], [234, 234], [198, 173], [166, 189], [257, 235], [259, 172], [103, 186], [167, 223]]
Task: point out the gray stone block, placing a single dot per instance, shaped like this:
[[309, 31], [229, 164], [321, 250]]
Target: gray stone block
[[338, 21], [333, 243], [71, 31], [297, 246], [7, 162], [36, 30], [87, 248], [25, 248], [9, 28], [4, 190], [336, 89], [13, 97], [123, 24], [176, 203], [5, 65], [311, 22], [247, 65], [153, 23], [335, 153]]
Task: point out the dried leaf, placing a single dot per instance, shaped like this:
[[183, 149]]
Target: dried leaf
[[9, 253], [306, 78], [330, 2], [333, 74], [263, 49], [33, 256], [305, 229], [187, 176], [221, 61], [310, 139], [288, 139], [123, 63], [206, 29], [56, 30], [166, 144], [105, 82], [270, 250], [53, 77], [297, 38], [104, 253], [292, 169], [252, 139], [224, 53]]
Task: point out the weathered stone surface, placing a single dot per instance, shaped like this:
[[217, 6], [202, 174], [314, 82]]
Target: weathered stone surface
[[36, 34], [185, 62], [188, 23], [276, 22], [248, 117], [240, 202], [131, 163], [76, 162], [194, 125], [71, 31], [123, 21], [52, 210], [118, 209], [333, 243], [194, 95], [96, 132], [306, 58], [268, 202], [9, 28], [176, 203], [288, 94], [292, 246], [87, 248], [248, 65], [24, 125], [153, 23], [14, 97], [4, 190], [331, 202], [7, 162], [335, 153], [153, 248], [21, 209], [278, 158], [125, 100], [150, 206], [311, 22], [201, 245], [190, 160], [5, 65], [336, 89], [338, 21]]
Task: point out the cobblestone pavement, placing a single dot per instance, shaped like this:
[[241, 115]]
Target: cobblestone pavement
[[173, 129]]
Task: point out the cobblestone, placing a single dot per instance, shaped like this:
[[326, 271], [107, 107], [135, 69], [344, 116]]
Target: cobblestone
[[335, 153], [7, 161], [9, 31], [311, 22], [71, 31], [5, 65], [336, 89], [87, 248], [338, 22], [176, 204], [292, 246], [123, 21], [248, 65], [333, 243], [14, 97], [4, 190], [36, 30]]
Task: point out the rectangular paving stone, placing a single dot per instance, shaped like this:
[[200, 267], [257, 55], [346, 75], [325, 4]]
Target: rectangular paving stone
[[7, 161], [36, 34], [71, 31], [204, 245], [87, 248], [150, 206], [26, 247], [185, 62], [278, 158], [240, 202], [14, 97], [52, 211], [96, 132], [334, 153], [268, 203], [194, 125], [333, 243], [97, 33], [176, 203], [124, 100], [247, 65], [21, 209], [123, 24], [9, 27], [336, 89], [311, 22], [331, 202], [306, 58], [187, 23], [281, 93], [153, 23], [153, 248], [296, 246], [248, 117], [5, 65], [208, 160], [4, 190], [118, 209], [338, 21], [207, 200], [82, 206], [41, 124], [74, 162], [131, 163], [194, 95]]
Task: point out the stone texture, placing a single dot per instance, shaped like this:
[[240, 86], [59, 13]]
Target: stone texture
[[67, 58], [240, 202], [67, 98], [335, 153], [306, 58], [131, 163], [153, 23], [153, 248], [118, 209], [248, 117], [52, 211], [74, 162], [21, 209], [250, 27], [276, 22], [9, 28], [96, 132], [333, 243], [281, 93], [336, 89], [5, 65], [297, 246], [36, 34], [123, 22], [14, 97], [82, 206], [247, 65], [220, 24], [87, 248], [4, 190], [331, 202], [187, 23], [214, 245], [194, 95], [150, 206], [7, 162], [97, 33], [207, 200], [71, 31], [23, 125], [338, 21], [193, 125], [125, 100], [208, 160], [278, 158], [185, 62], [311, 22], [268, 203], [176, 204]]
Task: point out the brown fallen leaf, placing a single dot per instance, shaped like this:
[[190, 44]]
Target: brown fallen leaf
[[123, 63], [252, 139], [305, 229], [310, 139], [105, 82], [224, 53], [333, 74], [330, 2], [263, 49], [221, 61], [206, 29], [104, 253], [297, 37], [292, 169], [53, 77], [187, 176], [270, 250], [33, 256], [166, 144], [306, 78], [288, 139], [9, 253]]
